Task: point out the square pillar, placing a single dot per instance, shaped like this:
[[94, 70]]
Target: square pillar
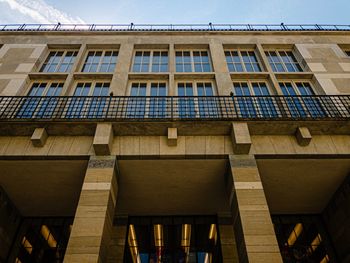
[[241, 141], [93, 222], [253, 228], [103, 139], [227, 239]]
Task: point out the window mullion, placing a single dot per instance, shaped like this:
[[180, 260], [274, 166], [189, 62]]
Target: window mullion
[[150, 64], [282, 62]]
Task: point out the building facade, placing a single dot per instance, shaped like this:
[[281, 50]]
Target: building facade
[[215, 143]]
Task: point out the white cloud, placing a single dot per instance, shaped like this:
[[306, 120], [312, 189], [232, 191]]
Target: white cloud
[[37, 11]]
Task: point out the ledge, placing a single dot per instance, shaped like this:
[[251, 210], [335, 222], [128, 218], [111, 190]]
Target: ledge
[[48, 76], [93, 75], [160, 128], [194, 75], [249, 75], [294, 75]]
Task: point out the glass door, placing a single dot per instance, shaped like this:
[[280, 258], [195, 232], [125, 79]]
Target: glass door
[[175, 239], [35, 105]]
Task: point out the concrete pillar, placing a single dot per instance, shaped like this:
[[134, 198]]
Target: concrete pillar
[[93, 222], [254, 232], [222, 75], [241, 140], [103, 139], [228, 242], [117, 244], [121, 74]]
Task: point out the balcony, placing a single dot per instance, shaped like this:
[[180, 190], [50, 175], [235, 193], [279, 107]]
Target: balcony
[[213, 108], [210, 115]]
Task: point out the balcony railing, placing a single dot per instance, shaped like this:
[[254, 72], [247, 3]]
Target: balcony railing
[[169, 108], [174, 27]]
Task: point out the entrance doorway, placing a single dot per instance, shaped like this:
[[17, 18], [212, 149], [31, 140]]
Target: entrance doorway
[[172, 239]]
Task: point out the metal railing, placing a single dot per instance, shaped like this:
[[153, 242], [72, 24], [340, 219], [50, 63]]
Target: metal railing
[[27, 108], [174, 27]]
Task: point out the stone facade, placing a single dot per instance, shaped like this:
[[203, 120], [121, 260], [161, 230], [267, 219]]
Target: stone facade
[[244, 172]]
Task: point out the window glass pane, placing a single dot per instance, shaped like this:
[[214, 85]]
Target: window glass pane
[[111, 67], [245, 56], [239, 67], [179, 68], [197, 67], [206, 67], [144, 68], [104, 68], [136, 68], [289, 67], [163, 68], [249, 68], [279, 67], [187, 68], [93, 68], [186, 56], [236, 57]]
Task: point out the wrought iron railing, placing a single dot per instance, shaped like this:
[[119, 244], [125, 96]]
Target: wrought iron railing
[[174, 27], [125, 108]]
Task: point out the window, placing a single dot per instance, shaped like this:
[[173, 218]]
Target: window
[[261, 105], [303, 238], [242, 61], [41, 240], [59, 61], [192, 239], [83, 106], [347, 52], [41, 101], [100, 61], [203, 106], [140, 106], [193, 61], [150, 61], [300, 101], [283, 61]]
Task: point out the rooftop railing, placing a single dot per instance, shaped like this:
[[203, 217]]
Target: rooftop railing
[[112, 108], [173, 27]]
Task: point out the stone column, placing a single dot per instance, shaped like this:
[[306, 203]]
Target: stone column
[[222, 75], [227, 239], [117, 244], [121, 75], [253, 228], [93, 222]]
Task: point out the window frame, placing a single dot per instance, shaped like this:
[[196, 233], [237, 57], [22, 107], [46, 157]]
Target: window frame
[[194, 86], [295, 87], [283, 63], [253, 105], [303, 105], [100, 61], [150, 64], [239, 51], [148, 83], [48, 82], [250, 86], [65, 51], [92, 87], [192, 62], [40, 106]]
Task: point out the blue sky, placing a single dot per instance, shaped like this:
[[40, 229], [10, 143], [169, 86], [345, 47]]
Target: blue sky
[[177, 11]]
